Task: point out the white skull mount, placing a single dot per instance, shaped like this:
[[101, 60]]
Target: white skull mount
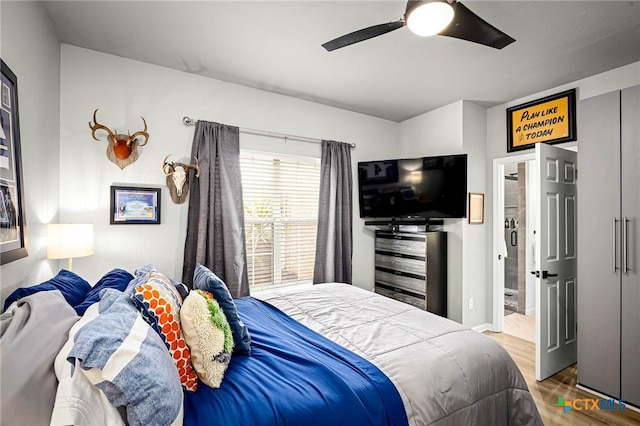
[[121, 149], [178, 178]]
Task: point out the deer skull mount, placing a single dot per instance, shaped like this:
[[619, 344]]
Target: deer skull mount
[[178, 178], [121, 149]]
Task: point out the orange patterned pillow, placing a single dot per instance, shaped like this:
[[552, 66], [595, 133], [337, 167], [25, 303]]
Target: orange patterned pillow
[[159, 303]]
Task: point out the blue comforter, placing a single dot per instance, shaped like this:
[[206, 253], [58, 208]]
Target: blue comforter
[[294, 377]]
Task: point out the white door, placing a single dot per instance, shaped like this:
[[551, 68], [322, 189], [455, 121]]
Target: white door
[[556, 345]]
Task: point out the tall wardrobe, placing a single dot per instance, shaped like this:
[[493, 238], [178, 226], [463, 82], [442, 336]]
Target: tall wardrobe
[[608, 294]]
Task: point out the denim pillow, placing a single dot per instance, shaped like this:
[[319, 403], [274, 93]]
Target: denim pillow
[[204, 279], [72, 286], [129, 363], [117, 279]]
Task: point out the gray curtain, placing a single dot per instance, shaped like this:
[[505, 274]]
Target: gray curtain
[[215, 222], [335, 215]]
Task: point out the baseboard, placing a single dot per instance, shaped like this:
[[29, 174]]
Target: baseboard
[[482, 327], [531, 311], [607, 397]]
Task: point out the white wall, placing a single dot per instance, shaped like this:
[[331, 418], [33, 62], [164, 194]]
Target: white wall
[[474, 236], [31, 49], [454, 129], [615, 79], [440, 132], [124, 90], [60, 94]]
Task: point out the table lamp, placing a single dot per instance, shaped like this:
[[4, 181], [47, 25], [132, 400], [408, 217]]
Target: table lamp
[[66, 241]]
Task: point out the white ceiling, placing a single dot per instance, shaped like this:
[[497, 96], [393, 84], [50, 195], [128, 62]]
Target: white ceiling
[[276, 46]]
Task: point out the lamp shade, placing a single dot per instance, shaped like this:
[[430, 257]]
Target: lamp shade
[[66, 241]]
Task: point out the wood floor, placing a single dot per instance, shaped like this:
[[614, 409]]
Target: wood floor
[[562, 384], [522, 326]]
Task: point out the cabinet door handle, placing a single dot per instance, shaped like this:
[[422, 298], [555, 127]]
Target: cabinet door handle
[[615, 244], [625, 242]]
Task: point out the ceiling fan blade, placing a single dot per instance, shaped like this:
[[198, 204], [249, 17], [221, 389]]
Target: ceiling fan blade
[[466, 25], [362, 35]]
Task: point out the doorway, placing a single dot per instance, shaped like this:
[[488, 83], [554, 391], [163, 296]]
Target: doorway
[[518, 209], [513, 289], [519, 284], [550, 253]]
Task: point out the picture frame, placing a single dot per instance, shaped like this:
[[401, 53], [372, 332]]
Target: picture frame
[[550, 120], [135, 205], [13, 230], [476, 208]]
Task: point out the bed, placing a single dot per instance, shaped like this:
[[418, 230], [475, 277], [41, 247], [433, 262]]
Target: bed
[[324, 354]]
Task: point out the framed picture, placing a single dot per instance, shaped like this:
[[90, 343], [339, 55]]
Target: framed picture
[[476, 208], [550, 120], [13, 232], [134, 205]]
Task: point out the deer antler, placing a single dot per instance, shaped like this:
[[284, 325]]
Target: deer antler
[[165, 165], [98, 126], [140, 133], [195, 167]]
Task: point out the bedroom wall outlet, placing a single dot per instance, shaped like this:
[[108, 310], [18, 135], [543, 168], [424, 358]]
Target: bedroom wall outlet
[[471, 303]]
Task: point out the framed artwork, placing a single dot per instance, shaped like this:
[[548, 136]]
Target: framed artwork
[[13, 232], [476, 208], [134, 205], [550, 120]]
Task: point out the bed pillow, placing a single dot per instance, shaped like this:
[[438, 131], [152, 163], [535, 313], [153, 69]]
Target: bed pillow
[[72, 286], [117, 279], [159, 303], [78, 401], [127, 360], [142, 274], [204, 279], [208, 335]]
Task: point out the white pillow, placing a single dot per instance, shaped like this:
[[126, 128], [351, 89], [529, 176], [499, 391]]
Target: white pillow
[[78, 402]]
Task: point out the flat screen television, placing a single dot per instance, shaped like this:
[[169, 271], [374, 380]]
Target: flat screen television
[[427, 187]]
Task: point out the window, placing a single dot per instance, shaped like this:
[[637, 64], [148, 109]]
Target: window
[[281, 217]]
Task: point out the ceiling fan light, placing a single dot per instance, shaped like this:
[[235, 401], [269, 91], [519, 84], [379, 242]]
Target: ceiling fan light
[[430, 18]]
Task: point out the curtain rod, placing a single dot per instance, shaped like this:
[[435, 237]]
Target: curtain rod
[[187, 120]]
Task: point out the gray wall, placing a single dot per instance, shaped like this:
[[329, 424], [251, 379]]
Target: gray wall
[[31, 49]]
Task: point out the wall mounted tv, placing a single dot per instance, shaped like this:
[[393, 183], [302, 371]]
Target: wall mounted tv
[[427, 187]]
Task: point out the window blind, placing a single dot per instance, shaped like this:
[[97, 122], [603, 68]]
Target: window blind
[[280, 196]]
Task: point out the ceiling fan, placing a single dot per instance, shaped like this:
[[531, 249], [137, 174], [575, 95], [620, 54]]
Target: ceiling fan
[[429, 17]]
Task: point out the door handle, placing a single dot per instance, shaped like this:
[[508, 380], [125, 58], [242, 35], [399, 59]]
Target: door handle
[[545, 274]]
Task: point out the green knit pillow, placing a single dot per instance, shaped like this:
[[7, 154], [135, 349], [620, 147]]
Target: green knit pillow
[[208, 335]]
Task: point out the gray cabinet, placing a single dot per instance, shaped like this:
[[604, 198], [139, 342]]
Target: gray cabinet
[[609, 244], [412, 268]]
